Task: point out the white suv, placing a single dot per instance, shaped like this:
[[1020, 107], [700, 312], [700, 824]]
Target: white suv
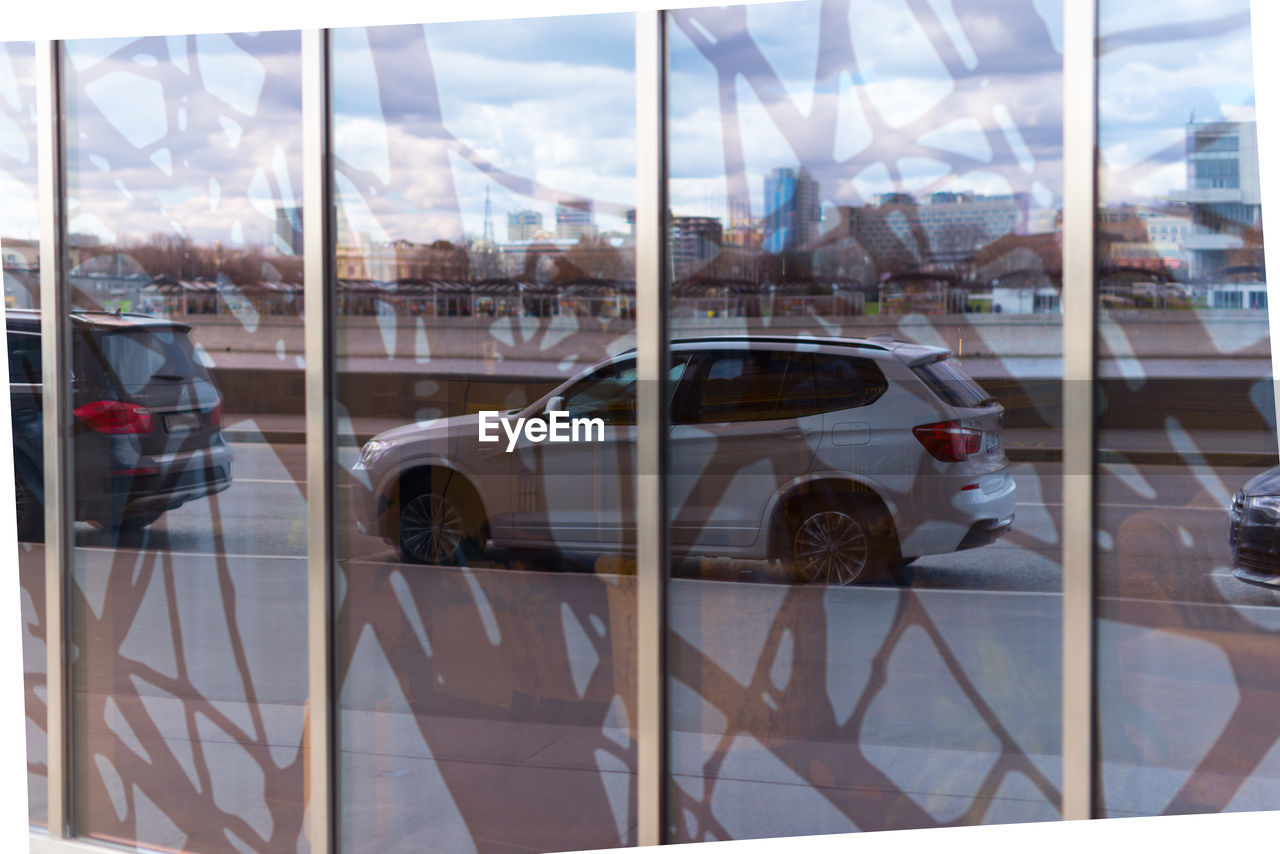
[[843, 458]]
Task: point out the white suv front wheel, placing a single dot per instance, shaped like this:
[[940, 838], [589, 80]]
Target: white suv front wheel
[[434, 531]]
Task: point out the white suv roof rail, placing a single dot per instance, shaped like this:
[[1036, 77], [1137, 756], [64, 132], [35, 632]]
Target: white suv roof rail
[[860, 343]]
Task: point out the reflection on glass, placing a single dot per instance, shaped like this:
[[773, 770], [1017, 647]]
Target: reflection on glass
[[188, 602], [864, 455], [486, 403], [1186, 550], [19, 226]]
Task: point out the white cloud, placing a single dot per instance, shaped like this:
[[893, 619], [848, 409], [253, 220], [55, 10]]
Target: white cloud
[[132, 103], [795, 68], [362, 143], [955, 31], [19, 214], [13, 142], [8, 79], [904, 76], [90, 224], [231, 74], [1116, 17], [963, 136], [1157, 184], [86, 53]]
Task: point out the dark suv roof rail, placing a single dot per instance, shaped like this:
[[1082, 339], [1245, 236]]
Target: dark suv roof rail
[[103, 311], [138, 319], [95, 318]]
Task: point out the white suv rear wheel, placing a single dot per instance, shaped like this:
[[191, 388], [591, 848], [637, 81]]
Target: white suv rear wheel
[[839, 540]]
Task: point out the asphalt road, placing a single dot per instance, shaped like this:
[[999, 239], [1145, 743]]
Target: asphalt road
[[1173, 518]]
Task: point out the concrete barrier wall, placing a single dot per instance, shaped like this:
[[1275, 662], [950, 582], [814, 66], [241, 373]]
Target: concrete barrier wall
[[1151, 334], [445, 366], [1197, 404]]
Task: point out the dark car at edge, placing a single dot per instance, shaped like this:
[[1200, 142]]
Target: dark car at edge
[[146, 423]]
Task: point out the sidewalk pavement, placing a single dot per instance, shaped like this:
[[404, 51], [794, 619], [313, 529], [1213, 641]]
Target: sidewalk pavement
[[1250, 448]]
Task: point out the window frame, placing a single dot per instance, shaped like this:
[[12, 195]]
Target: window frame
[[1080, 49]]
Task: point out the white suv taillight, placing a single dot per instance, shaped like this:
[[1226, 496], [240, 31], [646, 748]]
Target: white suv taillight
[[949, 441], [115, 417]]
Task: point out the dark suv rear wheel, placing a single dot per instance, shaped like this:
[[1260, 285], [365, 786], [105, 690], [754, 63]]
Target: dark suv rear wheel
[[839, 540]]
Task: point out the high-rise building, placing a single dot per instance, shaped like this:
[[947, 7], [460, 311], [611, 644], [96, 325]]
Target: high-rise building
[[489, 238], [695, 241], [523, 225], [573, 219], [900, 233], [742, 229], [791, 210], [288, 234], [1224, 196]]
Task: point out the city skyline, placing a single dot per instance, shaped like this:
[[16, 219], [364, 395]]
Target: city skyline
[[274, 179]]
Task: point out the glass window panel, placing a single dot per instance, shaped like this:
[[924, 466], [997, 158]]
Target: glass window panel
[[864, 595], [485, 631], [188, 593], [19, 243], [1187, 574], [24, 358]]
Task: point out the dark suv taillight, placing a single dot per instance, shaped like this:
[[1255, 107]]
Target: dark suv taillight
[[949, 441], [115, 417], [215, 414]]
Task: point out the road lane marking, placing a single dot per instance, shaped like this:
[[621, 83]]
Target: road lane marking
[[1041, 504], [166, 552], [1148, 507]]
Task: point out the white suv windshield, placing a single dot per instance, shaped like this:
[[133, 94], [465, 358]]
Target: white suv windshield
[[610, 391]]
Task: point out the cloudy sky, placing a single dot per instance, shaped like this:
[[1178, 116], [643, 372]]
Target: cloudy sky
[[189, 136], [430, 118], [1198, 61], [870, 100], [200, 136], [18, 215]]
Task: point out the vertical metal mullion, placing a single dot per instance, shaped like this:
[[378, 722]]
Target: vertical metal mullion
[[1264, 21], [651, 401], [55, 354], [318, 231], [1079, 166]]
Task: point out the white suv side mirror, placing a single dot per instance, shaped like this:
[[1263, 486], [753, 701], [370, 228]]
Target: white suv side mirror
[[555, 404]]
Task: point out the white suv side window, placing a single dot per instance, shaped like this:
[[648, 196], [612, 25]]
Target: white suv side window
[[736, 385], [823, 382], [610, 391], [763, 385]]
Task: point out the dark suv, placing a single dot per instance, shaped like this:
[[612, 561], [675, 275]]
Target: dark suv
[[147, 420]]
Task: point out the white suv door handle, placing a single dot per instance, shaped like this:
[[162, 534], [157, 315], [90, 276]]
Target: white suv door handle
[[793, 433]]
